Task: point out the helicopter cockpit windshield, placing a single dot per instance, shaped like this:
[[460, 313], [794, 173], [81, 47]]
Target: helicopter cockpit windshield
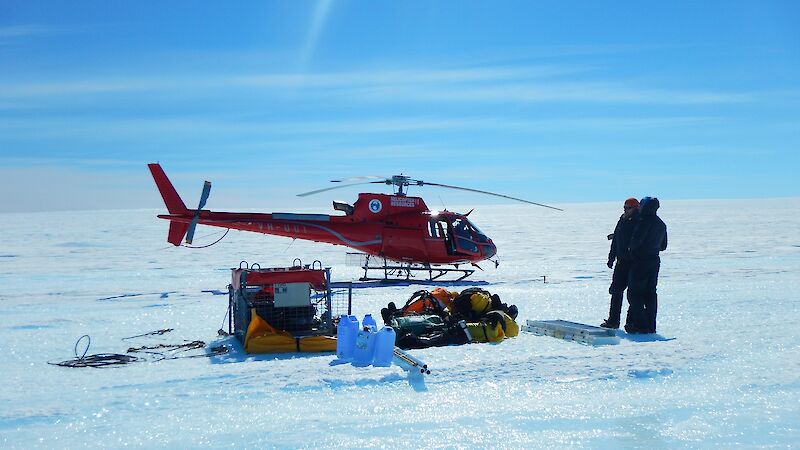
[[480, 236], [469, 238], [464, 241]]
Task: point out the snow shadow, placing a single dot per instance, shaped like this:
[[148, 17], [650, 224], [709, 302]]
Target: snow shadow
[[650, 337], [414, 377], [403, 283], [235, 353], [137, 294]]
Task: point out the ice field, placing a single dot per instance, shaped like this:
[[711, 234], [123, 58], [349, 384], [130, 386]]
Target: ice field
[[723, 372]]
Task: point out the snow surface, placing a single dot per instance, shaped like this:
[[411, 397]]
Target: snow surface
[[723, 371]]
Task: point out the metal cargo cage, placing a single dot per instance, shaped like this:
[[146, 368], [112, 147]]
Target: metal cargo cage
[[296, 299]]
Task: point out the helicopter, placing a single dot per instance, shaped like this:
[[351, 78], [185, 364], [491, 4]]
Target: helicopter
[[397, 229]]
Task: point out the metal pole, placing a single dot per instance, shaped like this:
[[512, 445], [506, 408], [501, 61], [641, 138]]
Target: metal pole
[[329, 325], [230, 308]]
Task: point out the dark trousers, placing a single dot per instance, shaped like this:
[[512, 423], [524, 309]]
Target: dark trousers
[[642, 297], [619, 282]]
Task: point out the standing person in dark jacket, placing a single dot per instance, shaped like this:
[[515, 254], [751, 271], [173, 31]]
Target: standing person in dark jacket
[[649, 238], [620, 240]]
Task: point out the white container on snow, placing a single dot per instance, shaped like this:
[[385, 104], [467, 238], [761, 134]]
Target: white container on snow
[[364, 350], [346, 337], [365, 347], [384, 347], [369, 321]]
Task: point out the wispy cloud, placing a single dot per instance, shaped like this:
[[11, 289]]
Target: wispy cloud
[[197, 127], [280, 81], [549, 91], [538, 52], [399, 77], [90, 86], [15, 34], [522, 85], [22, 31], [319, 16]]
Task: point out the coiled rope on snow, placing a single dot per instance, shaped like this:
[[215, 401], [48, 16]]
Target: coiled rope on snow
[[169, 351], [97, 360]]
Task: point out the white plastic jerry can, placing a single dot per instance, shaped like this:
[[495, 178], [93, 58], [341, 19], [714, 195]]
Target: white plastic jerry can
[[365, 347], [384, 347], [346, 337], [369, 321]]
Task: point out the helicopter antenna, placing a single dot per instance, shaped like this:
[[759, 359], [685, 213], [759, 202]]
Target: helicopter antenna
[[290, 245]]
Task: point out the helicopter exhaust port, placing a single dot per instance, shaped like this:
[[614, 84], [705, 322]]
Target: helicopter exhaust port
[[342, 206]]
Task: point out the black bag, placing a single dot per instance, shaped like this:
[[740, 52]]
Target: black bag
[[453, 335]]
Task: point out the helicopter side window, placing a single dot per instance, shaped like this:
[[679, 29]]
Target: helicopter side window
[[444, 232], [433, 229]]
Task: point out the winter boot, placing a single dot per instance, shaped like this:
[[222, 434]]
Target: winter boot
[[608, 324]]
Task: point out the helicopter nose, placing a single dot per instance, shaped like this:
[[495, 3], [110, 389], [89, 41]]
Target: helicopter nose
[[489, 250]]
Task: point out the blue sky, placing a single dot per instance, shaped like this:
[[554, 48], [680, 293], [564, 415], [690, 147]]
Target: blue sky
[[554, 101]]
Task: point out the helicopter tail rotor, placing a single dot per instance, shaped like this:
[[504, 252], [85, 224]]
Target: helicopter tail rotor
[[176, 206], [196, 218]]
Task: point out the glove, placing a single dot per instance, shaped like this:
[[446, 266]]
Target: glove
[[610, 264]]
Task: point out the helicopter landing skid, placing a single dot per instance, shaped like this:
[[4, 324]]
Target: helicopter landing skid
[[406, 271]]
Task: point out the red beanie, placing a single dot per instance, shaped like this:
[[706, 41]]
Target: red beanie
[[632, 202]]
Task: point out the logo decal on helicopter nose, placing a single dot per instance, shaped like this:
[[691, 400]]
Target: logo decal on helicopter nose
[[375, 205]]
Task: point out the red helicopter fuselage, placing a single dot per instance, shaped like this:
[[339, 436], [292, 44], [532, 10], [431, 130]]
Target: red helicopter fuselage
[[395, 227]]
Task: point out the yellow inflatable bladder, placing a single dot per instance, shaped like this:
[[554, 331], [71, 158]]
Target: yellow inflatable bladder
[[262, 337]]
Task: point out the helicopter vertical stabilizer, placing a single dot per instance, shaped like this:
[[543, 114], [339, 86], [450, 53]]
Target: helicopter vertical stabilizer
[[171, 198], [177, 230]]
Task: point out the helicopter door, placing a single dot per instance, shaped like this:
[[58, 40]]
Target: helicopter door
[[440, 230], [463, 237]]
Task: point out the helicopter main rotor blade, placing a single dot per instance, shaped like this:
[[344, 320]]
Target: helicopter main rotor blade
[[306, 194], [361, 178], [489, 193]]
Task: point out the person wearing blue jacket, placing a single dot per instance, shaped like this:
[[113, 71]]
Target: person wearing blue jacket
[[620, 240], [648, 240]]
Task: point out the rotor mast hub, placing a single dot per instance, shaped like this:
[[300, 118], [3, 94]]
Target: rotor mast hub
[[401, 181]]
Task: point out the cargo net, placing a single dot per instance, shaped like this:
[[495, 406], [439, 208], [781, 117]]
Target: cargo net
[[341, 302], [301, 303]]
